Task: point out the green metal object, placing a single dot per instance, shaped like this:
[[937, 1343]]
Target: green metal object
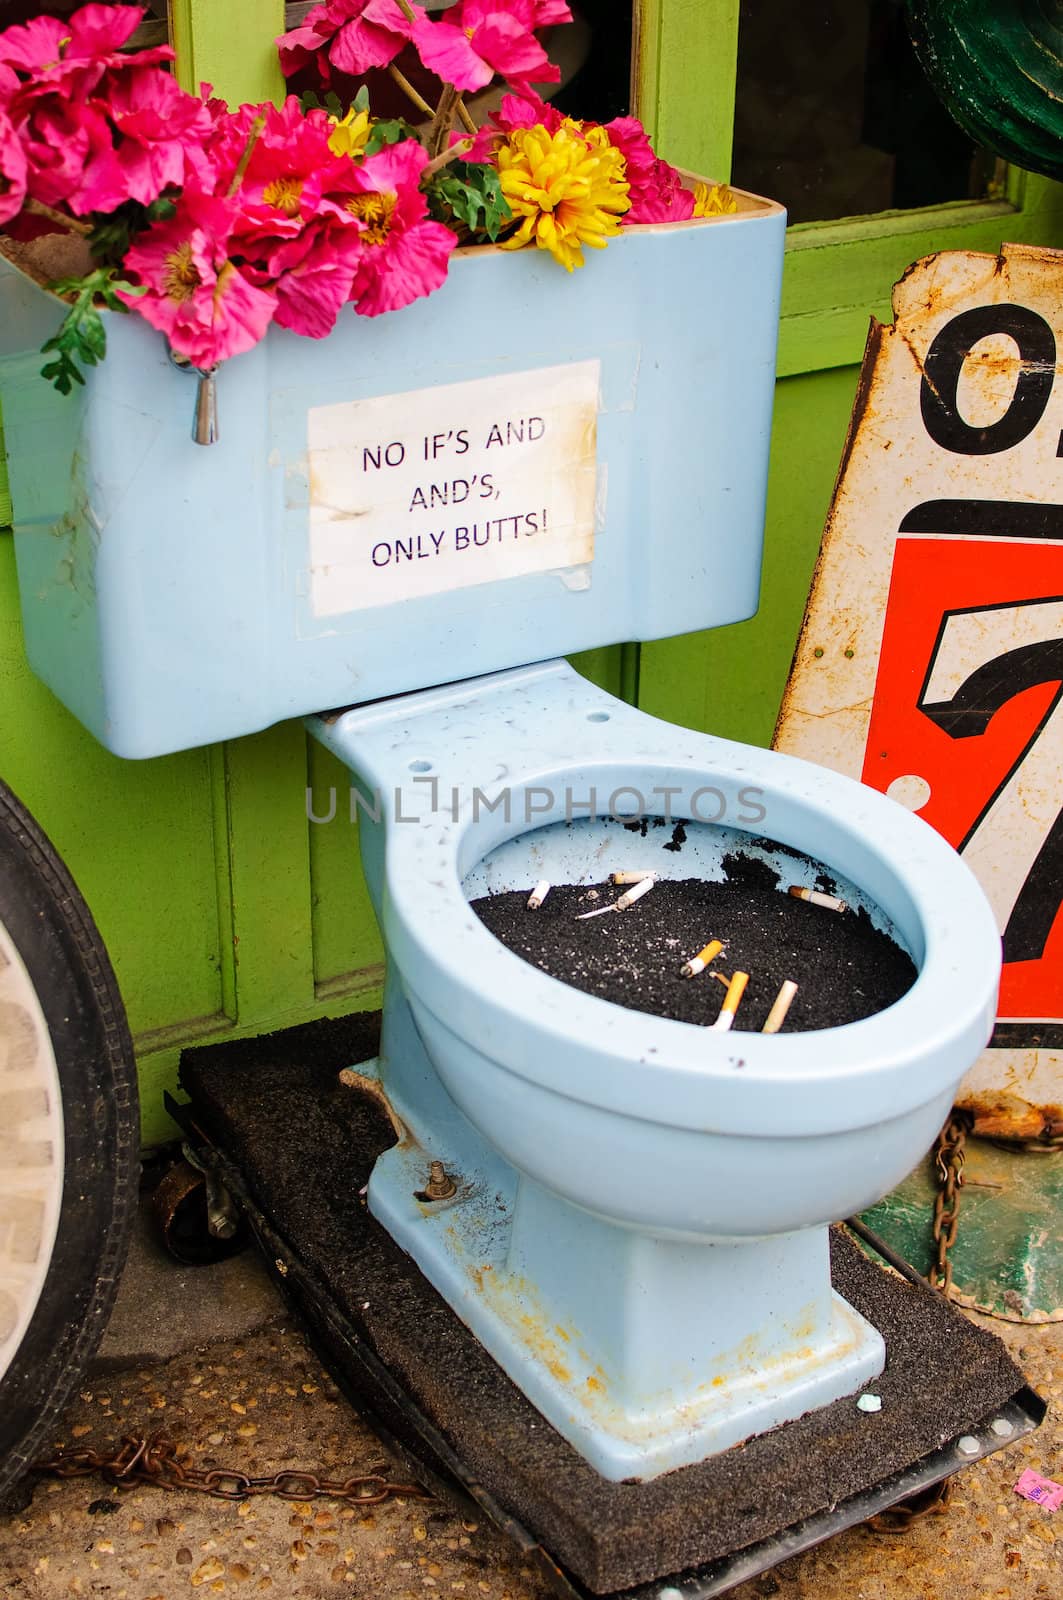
[[997, 65], [1008, 1255]]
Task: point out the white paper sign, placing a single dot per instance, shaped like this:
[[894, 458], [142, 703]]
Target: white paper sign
[[414, 494]]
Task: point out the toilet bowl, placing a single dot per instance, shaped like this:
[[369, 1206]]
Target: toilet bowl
[[633, 1212]]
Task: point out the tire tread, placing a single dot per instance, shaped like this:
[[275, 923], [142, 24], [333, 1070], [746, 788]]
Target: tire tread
[[22, 836]]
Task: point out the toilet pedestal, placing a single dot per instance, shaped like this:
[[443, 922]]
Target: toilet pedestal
[[646, 1353]]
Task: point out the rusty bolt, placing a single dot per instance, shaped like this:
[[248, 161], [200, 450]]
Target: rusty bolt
[[440, 1185]]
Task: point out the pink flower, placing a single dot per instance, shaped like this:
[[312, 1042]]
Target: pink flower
[[97, 127], [351, 35], [515, 111], [205, 306], [548, 13], [12, 171], [405, 255], [291, 231], [63, 140], [654, 188], [50, 53], [313, 279], [527, 111], [137, 135], [158, 132], [290, 170], [480, 38], [300, 46], [536, 13]]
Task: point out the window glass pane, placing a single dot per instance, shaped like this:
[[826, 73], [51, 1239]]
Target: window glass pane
[[835, 118], [594, 54]]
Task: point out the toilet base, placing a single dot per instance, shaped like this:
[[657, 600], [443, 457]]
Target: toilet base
[[645, 1354]]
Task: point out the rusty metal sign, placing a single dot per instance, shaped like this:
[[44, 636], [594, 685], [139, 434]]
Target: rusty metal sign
[[930, 663]]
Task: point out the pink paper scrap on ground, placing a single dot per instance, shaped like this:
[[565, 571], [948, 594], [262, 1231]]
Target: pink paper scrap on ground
[[1033, 1487]]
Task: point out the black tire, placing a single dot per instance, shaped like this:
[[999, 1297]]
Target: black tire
[[50, 1328]]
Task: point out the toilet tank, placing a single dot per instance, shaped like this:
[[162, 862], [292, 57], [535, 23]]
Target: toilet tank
[[525, 464]]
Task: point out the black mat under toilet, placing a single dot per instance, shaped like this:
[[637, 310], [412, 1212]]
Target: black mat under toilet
[[300, 1147]]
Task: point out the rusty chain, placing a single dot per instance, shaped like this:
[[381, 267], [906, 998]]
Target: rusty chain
[[950, 1153], [929, 1502], [158, 1461]]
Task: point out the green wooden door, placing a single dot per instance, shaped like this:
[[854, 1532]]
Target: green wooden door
[[226, 910]]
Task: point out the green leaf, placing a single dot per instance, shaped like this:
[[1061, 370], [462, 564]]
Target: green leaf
[[361, 99], [93, 337], [63, 374], [82, 334], [309, 100], [110, 291], [469, 193], [388, 131]]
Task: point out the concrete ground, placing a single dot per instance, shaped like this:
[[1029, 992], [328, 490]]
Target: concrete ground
[[211, 1356]]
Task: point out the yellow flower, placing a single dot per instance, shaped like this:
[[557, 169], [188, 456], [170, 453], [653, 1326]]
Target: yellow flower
[[350, 134], [715, 202], [567, 189]]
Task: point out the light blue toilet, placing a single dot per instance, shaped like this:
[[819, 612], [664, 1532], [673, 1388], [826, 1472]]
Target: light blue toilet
[[630, 1213], [638, 1229]]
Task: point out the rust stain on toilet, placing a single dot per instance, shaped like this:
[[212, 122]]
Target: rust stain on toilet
[[516, 1303]]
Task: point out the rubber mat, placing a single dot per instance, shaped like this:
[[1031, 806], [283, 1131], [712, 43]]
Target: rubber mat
[[303, 1146]]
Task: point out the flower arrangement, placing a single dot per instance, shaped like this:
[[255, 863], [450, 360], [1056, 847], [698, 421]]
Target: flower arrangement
[[214, 223]]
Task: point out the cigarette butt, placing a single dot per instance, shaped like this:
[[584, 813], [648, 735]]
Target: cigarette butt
[[538, 894], [643, 886], [814, 898], [699, 962], [777, 1014], [630, 877], [735, 991]]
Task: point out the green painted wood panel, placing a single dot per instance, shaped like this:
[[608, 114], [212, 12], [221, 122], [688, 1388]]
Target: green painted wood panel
[[683, 75], [5, 496], [730, 681], [348, 953], [230, 46], [838, 274], [138, 838]]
